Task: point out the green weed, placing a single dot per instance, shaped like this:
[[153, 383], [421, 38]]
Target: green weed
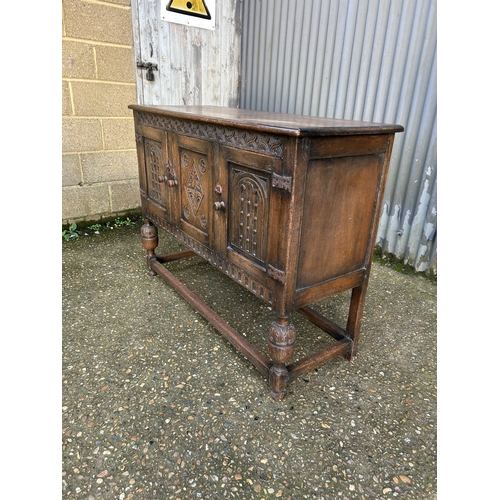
[[71, 232]]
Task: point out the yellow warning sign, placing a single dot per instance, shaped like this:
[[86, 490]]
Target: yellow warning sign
[[196, 8]]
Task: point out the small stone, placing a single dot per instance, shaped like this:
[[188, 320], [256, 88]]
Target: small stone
[[405, 479], [103, 473], [386, 490], [238, 477]]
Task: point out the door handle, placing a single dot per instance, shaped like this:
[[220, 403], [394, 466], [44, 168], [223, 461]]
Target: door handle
[[219, 205], [170, 178]]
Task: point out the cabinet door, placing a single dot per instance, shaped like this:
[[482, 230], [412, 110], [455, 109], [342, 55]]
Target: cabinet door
[[192, 161], [152, 150], [245, 231]]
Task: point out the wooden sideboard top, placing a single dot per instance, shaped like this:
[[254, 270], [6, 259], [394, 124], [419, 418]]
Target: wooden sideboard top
[[267, 121]]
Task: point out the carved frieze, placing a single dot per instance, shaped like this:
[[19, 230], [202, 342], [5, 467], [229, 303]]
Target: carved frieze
[[237, 138]]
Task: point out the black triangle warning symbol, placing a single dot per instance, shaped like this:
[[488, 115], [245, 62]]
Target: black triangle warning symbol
[[196, 8]]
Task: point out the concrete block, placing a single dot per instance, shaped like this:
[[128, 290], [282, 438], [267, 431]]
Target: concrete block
[[125, 196], [78, 202], [103, 99], [81, 134], [119, 133], [109, 166], [115, 63], [67, 109], [71, 171], [78, 60], [97, 21]]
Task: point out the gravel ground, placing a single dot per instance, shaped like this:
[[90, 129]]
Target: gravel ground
[[157, 405]]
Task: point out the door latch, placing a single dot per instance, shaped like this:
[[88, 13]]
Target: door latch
[[149, 67]]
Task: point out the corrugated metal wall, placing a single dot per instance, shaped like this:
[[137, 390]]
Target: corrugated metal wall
[[372, 60]]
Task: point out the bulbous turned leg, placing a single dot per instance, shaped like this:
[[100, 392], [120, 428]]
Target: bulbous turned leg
[[149, 240], [280, 345]]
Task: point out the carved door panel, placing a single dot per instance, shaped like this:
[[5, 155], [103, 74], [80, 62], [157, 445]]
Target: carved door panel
[[192, 163], [154, 171], [252, 207], [153, 157], [249, 212]]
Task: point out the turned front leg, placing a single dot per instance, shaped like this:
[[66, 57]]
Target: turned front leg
[[149, 240], [280, 345]]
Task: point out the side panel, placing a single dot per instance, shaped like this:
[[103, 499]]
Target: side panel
[[338, 216]]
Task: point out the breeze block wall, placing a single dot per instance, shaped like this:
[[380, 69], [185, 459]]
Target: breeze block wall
[[99, 161]]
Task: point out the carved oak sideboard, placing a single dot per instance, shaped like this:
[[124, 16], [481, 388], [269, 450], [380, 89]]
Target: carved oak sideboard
[[285, 205]]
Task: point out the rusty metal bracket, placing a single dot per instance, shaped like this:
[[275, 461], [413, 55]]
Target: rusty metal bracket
[[281, 182], [276, 274]]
